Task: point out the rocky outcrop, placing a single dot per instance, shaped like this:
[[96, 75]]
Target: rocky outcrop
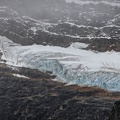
[[115, 113]]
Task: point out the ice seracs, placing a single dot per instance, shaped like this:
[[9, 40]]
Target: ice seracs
[[72, 65]]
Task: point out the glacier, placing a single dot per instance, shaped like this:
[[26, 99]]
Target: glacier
[[72, 65]]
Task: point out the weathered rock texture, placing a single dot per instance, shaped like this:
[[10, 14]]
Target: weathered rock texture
[[115, 114], [40, 98]]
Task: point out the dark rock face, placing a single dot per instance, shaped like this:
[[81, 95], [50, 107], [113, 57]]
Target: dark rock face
[[40, 98], [115, 114]]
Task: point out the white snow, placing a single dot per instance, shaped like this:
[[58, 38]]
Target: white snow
[[79, 45], [33, 29], [72, 65], [20, 76], [80, 26], [81, 2]]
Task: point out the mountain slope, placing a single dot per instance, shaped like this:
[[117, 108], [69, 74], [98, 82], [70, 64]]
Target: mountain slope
[[49, 46], [37, 96], [27, 31], [65, 33]]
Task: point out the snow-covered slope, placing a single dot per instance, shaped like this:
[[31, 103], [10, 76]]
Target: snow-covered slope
[[97, 27], [107, 2], [71, 65]]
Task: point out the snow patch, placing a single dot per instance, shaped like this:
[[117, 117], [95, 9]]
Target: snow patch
[[94, 2], [79, 45], [20, 76]]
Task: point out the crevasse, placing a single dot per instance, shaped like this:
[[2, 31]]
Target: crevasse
[[67, 64]]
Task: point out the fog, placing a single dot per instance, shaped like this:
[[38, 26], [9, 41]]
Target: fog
[[61, 10]]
